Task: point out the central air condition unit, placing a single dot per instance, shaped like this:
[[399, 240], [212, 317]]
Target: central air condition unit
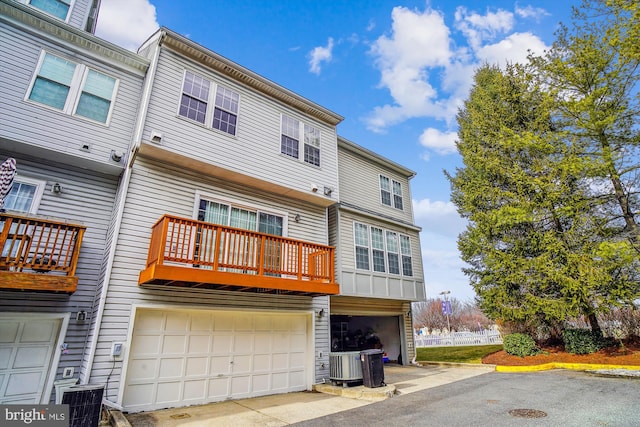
[[85, 404], [345, 367]]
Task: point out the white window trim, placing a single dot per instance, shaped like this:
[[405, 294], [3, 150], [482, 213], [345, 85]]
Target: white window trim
[[301, 142], [211, 104], [68, 17], [75, 89], [37, 195], [386, 252], [391, 192], [238, 203]]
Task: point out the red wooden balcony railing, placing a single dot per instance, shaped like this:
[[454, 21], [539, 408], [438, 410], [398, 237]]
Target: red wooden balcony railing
[[186, 252], [39, 254]]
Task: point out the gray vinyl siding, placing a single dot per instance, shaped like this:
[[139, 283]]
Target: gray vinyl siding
[[255, 150], [86, 199], [374, 284], [78, 13], [43, 127], [156, 189], [360, 186]]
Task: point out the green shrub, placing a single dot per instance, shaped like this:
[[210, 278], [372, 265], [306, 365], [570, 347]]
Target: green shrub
[[582, 341], [520, 345]]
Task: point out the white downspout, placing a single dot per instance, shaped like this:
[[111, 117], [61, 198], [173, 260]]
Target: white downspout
[[126, 178]]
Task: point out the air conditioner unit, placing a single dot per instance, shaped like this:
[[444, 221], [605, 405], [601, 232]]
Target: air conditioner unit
[[85, 404], [345, 367]]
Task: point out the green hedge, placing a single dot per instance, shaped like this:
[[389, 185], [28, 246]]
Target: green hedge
[[582, 341], [520, 345]]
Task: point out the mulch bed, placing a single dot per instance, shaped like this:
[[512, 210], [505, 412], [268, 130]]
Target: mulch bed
[[630, 355]]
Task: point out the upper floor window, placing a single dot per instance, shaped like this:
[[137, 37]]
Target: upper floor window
[[57, 8], [386, 251], [25, 195], [391, 192], [290, 140], [73, 88], [240, 217], [196, 98]]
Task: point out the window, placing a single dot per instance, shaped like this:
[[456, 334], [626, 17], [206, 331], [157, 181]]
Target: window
[[57, 8], [386, 187], [290, 140], [390, 251], [362, 246], [196, 97], [240, 217], [73, 88], [25, 195], [407, 262]]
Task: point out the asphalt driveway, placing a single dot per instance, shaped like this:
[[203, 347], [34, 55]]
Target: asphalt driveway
[[552, 398]]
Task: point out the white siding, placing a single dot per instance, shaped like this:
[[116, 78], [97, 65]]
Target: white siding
[[255, 150], [156, 189], [46, 128], [360, 186]]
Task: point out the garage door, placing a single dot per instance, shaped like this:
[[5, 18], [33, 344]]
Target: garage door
[[26, 352], [180, 358]]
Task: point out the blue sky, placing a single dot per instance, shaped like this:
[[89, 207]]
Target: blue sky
[[396, 70]]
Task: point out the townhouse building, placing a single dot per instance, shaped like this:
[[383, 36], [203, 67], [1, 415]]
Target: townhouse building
[[181, 229], [67, 115]]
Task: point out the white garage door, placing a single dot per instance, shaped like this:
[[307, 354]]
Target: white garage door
[[27, 347], [180, 357]]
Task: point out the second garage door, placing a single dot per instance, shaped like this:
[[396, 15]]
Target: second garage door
[[187, 357]]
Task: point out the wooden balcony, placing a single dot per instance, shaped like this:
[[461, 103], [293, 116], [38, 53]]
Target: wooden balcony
[[189, 253], [39, 254]]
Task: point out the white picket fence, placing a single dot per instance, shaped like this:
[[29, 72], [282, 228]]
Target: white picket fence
[[458, 338]]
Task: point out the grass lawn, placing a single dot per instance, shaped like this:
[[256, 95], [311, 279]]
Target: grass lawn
[[457, 354]]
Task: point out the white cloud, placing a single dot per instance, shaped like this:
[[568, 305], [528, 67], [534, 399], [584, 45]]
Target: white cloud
[[478, 28], [419, 42], [320, 54], [531, 12], [514, 48], [428, 75], [127, 23], [440, 142]]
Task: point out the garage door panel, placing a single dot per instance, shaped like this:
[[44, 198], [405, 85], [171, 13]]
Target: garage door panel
[[222, 344], [195, 390], [143, 369], [240, 386], [220, 365], [147, 344], [197, 366], [171, 368], [150, 322], [177, 322], [220, 355], [174, 344], [199, 344], [5, 358], [31, 356], [38, 331], [261, 362], [218, 388], [23, 383], [168, 393], [9, 331]]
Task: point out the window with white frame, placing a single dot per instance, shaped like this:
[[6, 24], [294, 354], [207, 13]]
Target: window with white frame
[[382, 250], [391, 192], [25, 195], [199, 93], [57, 8], [73, 88], [290, 140], [229, 214]]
